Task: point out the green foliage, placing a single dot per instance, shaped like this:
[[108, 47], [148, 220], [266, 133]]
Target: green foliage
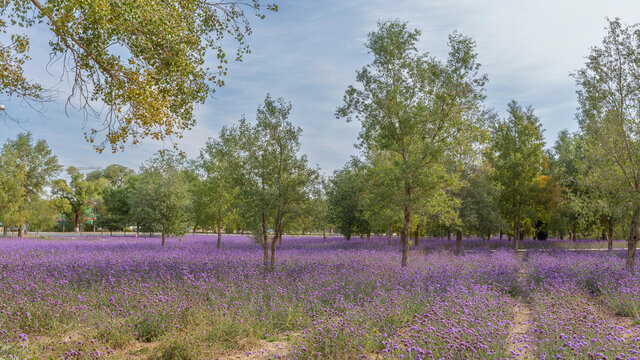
[[79, 193], [345, 198], [419, 112], [517, 157], [272, 179], [160, 195], [26, 168], [148, 62], [609, 116], [479, 211]]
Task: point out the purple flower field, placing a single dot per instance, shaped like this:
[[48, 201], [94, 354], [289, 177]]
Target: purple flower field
[[124, 298]]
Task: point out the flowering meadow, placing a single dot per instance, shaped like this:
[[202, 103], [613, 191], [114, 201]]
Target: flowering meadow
[[126, 298]]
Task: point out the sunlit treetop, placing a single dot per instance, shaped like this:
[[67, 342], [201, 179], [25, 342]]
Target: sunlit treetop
[[137, 66]]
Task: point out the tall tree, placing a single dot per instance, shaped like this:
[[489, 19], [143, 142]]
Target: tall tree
[[516, 155], [416, 108], [78, 192], [39, 166], [273, 178], [147, 61], [160, 196], [12, 190], [608, 93]]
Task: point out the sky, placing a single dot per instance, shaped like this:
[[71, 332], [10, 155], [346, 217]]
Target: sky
[[308, 53]]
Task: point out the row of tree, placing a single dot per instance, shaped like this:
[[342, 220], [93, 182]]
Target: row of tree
[[434, 161]]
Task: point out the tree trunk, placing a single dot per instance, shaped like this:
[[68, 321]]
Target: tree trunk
[[324, 234], [265, 242], [137, 229], [611, 231], [416, 239], [194, 229], [163, 235], [632, 242], [459, 242], [219, 230], [573, 234], [516, 233], [448, 235], [4, 230], [390, 234], [76, 221], [276, 236], [20, 230], [405, 227]]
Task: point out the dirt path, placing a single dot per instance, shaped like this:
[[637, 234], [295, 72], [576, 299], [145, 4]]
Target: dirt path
[[518, 339], [266, 350]]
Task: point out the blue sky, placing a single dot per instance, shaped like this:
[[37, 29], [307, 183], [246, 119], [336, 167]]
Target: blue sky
[[309, 51]]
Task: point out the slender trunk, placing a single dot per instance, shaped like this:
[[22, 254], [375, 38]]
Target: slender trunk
[[20, 230], [265, 242], [516, 233], [163, 234], [276, 236], [390, 234], [4, 230], [76, 221], [417, 236], [324, 234], [632, 242], [448, 235], [501, 234], [405, 227], [194, 229], [137, 229], [573, 234], [459, 242]]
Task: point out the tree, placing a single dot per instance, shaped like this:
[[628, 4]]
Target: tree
[[12, 189], [39, 166], [516, 155], [160, 196], [146, 61], [609, 113], [272, 178], [216, 192], [115, 174], [479, 210], [345, 199], [78, 192], [415, 108], [42, 216]]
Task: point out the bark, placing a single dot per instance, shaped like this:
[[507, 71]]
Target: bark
[[76, 221], [573, 234], [219, 230], [459, 242], [137, 229], [390, 234], [4, 230], [632, 242], [324, 234], [611, 231], [405, 228], [265, 242], [194, 229], [448, 235], [417, 236], [516, 233], [501, 234], [20, 231], [163, 235]]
